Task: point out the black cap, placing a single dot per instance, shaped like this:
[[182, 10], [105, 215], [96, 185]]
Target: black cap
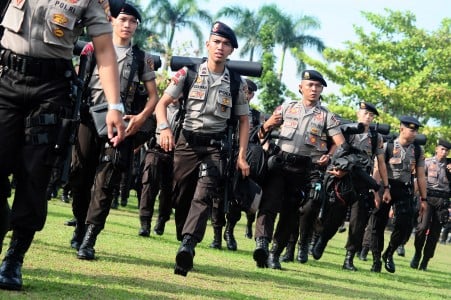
[[251, 86], [444, 143], [129, 9], [410, 122], [115, 7], [313, 75], [369, 107], [225, 31]]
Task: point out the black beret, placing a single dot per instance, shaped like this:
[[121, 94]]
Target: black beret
[[369, 107], [129, 9], [225, 31], [410, 122], [444, 143], [251, 86], [313, 75], [115, 7]]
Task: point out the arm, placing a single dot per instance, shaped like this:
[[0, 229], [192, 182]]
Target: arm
[[422, 187], [166, 137], [109, 77], [137, 121], [338, 139], [382, 167], [241, 162]]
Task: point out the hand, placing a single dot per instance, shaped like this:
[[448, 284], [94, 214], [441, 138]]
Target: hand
[[423, 207], [241, 164], [337, 172], [377, 199], [114, 120], [387, 196], [167, 140], [323, 160]]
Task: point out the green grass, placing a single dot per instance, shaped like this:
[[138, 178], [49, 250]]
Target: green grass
[[131, 267]]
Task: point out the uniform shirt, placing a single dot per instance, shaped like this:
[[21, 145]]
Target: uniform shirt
[[363, 141], [305, 132], [124, 60], [49, 28], [436, 174], [402, 162], [209, 102]]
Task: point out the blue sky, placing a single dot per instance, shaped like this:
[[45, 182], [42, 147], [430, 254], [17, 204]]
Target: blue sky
[[337, 18]]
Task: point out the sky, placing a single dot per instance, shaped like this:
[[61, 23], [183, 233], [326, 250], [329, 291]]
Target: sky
[[336, 17]]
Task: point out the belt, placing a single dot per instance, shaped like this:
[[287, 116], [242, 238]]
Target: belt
[[399, 184], [294, 159], [33, 66], [438, 194], [202, 139]]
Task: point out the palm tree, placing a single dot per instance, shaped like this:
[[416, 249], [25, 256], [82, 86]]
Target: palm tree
[[168, 18], [290, 33], [248, 27]]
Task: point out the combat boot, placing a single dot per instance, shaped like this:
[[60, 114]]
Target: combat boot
[[303, 246], [217, 239], [377, 263], [185, 255], [319, 247], [248, 233], [87, 250], [274, 257], [289, 253], [261, 252], [401, 251], [229, 237], [415, 260], [348, 264], [388, 259], [78, 235], [364, 253], [145, 226], [11, 268], [424, 264], [158, 229], [314, 239]]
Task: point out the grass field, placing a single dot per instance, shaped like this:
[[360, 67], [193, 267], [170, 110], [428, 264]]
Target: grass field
[[132, 267]]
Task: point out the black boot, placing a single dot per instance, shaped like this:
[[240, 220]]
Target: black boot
[[217, 239], [319, 247], [314, 239], [229, 237], [261, 252], [401, 251], [388, 259], [159, 227], [145, 226], [424, 264], [349, 261], [10, 270], [248, 233], [415, 260], [303, 246], [274, 257], [4, 221], [377, 263], [364, 253], [289, 253], [79, 234], [185, 255], [87, 250]]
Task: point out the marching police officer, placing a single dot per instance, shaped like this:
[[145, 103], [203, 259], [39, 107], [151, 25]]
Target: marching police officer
[[430, 222], [404, 159], [197, 156], [35, 70], [305, 127]]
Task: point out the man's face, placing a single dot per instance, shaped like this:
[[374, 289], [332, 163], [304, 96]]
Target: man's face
[[364, 116], [249, 95], [124, 26], [219, 48], [441, 152], [408, 133], [311, 90]]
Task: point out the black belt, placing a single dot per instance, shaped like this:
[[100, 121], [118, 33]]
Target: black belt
[[294, 159], [32, 66], [438, 194], [399, 184], [202, 139]]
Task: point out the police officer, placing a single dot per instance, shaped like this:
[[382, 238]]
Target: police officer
[[430, 222], [95, 173], [157, 179], [197, 157], [405, 158], [371, 143], [305, 127], [35, 70]]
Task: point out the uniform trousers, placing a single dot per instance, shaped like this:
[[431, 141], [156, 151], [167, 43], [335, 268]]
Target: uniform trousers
[[197, 184], [427, 232], [31, 108]]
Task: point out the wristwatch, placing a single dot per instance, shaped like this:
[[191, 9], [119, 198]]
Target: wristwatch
[[387, 187], [163, 126], [117, 106]]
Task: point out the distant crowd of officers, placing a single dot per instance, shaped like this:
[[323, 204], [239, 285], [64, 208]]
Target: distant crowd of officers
[[200, 154]]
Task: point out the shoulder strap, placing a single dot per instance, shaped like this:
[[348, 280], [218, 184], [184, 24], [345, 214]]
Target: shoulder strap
[[417, 151], [389, 150], [139, 55], [374, 141]]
